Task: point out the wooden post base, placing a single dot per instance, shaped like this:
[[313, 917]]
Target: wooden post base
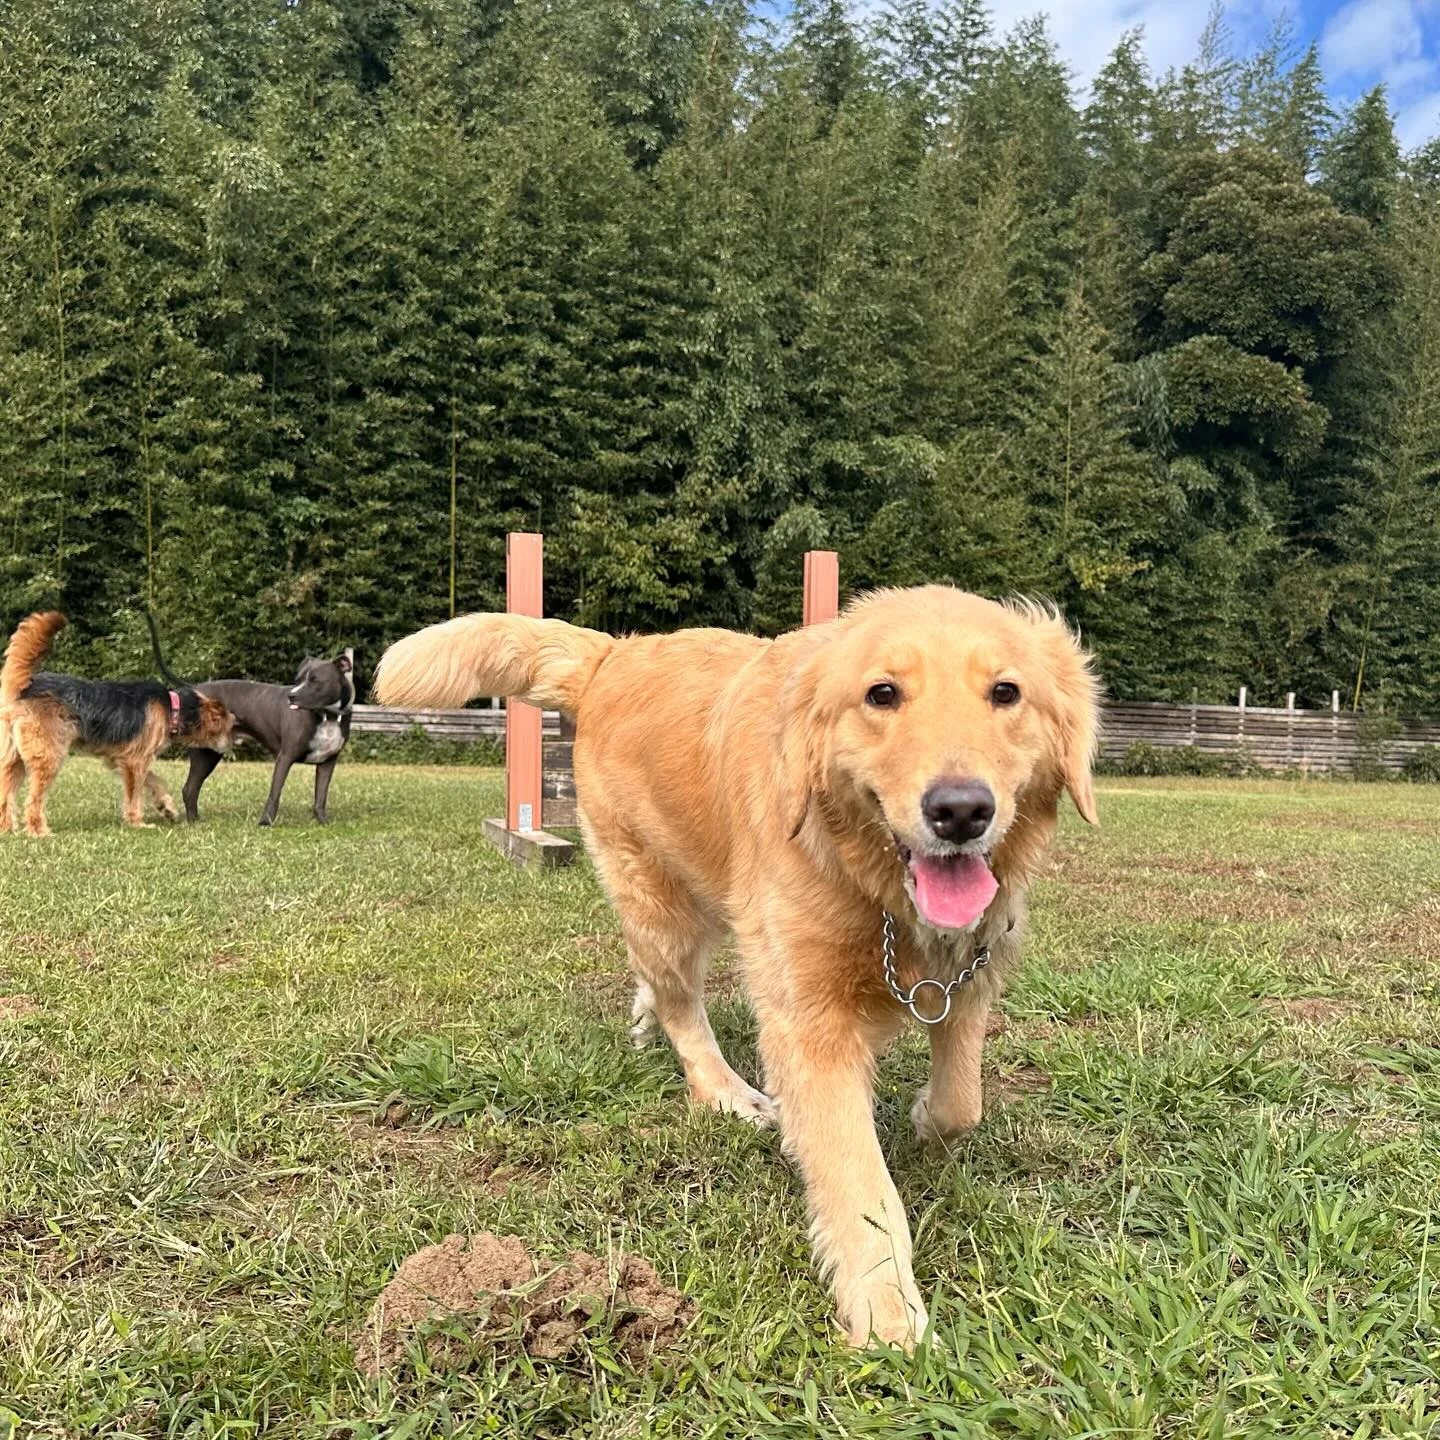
[[529, 847]]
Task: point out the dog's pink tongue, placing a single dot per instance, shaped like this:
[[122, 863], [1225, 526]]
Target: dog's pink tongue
[[953, 893]]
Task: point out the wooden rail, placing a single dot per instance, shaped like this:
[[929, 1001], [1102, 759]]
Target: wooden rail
[[440, 724]]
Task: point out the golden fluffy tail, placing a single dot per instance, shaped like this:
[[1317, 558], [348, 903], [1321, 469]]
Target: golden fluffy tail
[[25, 651], [543, 662]]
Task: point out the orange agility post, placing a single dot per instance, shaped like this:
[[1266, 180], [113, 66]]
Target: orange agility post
[[520, 835], [822, 586], [524, 595]]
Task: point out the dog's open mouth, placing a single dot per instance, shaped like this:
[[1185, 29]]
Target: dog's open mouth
[[951, 891]]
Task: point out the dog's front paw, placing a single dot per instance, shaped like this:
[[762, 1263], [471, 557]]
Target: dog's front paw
[[888, 1314], [933, 1129], [749, 1104]]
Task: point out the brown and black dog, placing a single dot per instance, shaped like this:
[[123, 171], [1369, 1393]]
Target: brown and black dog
[[127, 723]]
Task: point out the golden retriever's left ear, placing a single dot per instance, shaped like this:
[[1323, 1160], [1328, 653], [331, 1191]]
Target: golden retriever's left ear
[[1076, 712], [800, 738]]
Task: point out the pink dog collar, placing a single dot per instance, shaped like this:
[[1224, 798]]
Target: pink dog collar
[[174, 714]]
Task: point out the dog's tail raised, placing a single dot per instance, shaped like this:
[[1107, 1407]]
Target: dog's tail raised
[[25, 651], [543, 662], [165, 671]]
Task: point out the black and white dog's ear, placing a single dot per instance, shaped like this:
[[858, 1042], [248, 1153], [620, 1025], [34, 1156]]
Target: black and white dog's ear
[[346, 662]]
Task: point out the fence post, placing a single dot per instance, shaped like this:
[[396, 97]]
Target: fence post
[[521, 835], [822, 587], [524, 595], [1194, 715], [1240, 730], [1289, 729]]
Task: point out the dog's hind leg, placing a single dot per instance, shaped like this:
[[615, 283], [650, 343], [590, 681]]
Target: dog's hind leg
[[132, 782], [41, 743], [670, 942], [160, 797], [12, 772], [671, 990]]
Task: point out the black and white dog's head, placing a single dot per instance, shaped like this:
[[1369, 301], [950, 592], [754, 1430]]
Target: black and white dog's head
[[325, 685]]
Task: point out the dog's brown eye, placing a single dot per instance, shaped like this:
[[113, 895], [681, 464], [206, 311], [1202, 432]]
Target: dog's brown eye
[[883, 696], [1004, 693]]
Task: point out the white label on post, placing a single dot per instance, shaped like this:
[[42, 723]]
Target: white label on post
[[527, 817]]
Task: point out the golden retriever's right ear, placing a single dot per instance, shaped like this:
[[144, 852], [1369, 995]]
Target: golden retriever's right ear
[[1075, 707], [1078, 695]]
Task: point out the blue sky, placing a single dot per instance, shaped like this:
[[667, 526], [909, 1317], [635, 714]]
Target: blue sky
[[1362, 42]]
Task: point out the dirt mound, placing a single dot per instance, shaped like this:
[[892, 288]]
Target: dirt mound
[[17, 1007], [504, 1297]]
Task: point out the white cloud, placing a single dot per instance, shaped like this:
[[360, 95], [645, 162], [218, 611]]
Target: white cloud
[[1396, 42], [1085, 34], [1364, 43], [1419, 121], [1369, 37]]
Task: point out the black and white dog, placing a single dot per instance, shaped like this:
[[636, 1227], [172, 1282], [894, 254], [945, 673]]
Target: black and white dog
[[306, 723]]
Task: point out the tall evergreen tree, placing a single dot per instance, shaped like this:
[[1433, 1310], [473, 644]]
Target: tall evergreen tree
[[1387, 532], [1360, 167]]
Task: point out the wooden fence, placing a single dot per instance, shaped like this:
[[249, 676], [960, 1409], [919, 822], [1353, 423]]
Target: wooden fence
[[1277, 738], [1310, 741], [557, 785]]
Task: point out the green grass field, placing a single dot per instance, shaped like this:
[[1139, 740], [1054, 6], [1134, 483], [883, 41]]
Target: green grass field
[[244, 1073]]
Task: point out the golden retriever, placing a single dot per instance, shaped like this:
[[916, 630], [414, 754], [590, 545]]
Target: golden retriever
[[895, 770]]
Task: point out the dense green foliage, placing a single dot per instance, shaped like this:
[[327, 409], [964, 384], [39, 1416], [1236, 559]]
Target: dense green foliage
[[305, 304]]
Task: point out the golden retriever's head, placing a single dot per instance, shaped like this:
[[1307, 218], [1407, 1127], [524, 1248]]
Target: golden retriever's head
[[942, 727]]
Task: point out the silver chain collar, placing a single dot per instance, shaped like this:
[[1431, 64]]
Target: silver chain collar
[[947, 989]]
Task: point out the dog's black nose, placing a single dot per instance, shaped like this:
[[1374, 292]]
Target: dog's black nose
[[958, 810]]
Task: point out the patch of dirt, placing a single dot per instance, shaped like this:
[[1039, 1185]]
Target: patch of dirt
[[600, 940], [1325, 820], [1049, 1029], [1310, 1009], [227, 960], [52, 1257], [443, 1146], [1415, 930], [1163, 889], [1017, 1084], [44, 947], [610, 993], [606, 992], [17, 1007], [503, 1297]]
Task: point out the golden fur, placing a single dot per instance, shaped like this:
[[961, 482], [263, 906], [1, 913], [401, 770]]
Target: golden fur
[[733, 783], [38, 732]]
